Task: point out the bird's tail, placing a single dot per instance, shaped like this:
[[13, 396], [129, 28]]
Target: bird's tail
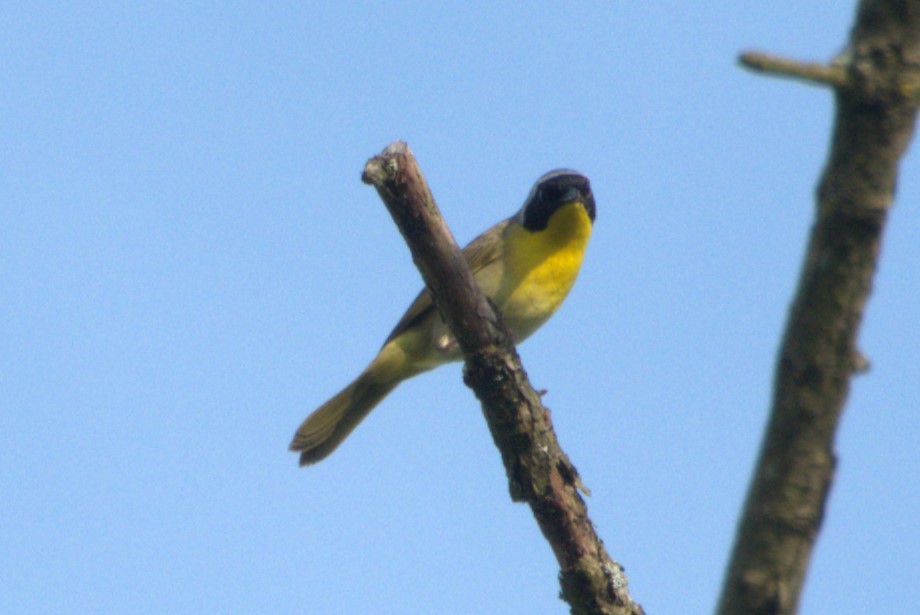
[[331, 423]]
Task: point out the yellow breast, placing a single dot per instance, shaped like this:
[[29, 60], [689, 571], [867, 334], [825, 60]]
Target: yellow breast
[[541, 267]]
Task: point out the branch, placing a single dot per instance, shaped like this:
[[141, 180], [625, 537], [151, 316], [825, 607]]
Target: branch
[[875, 118], [539, 472], [819, 74]]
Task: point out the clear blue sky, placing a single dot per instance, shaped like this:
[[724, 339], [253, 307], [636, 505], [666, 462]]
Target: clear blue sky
[[190, 264]]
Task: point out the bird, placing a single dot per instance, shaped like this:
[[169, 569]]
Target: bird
[[525, 264]]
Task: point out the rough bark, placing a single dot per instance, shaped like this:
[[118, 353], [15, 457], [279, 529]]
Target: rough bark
[[539, 472], [876, 83]]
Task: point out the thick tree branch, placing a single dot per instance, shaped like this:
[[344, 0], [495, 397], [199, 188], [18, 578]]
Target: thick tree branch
[[875, 117], [539, 472]]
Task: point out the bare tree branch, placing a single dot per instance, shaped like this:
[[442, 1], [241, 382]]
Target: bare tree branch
[[875, 116], [539, 472], [819, 74]]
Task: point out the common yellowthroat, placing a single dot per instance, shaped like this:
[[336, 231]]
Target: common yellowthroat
[[526, 265]]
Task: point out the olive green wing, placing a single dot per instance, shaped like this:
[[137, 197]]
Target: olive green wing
[[482, 251]]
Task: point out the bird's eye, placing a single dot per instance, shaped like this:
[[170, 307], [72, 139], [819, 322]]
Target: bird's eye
[[550, 193]]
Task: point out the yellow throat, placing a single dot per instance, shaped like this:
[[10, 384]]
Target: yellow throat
[[541, 267]]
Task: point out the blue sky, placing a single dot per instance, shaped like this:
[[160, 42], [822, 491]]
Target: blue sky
[[189, 264]]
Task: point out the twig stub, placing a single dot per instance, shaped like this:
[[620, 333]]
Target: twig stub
[[810, 72]]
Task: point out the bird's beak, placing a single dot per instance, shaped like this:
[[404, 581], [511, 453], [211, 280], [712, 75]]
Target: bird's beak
[[572, 194]]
